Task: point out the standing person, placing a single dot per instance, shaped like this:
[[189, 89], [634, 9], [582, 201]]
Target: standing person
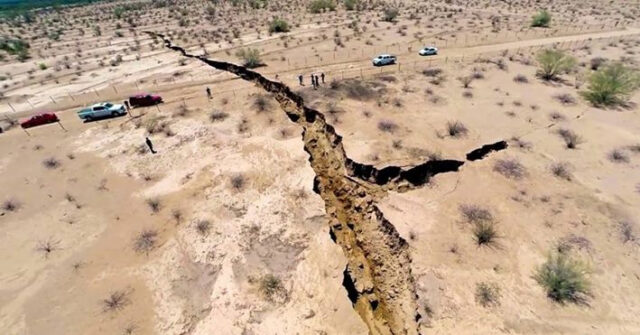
[[313, 81], [127, 107], [317, 81], [150, 145], [208, 92], [300, 79], [322, 76]]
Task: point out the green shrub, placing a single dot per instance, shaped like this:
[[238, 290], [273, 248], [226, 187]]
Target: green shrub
[[564, 279], [42, 66], [541, 19], [553, 63], [390, 14], [350, 4], [318, 6], [611, 85], [250, 57], [485, 233], [278, 26]]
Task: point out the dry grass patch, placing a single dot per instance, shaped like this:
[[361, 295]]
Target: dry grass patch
[[487, 294], [217, 116], [272, 288], [387, 126], [51, 163], [474, 213], [154, 205], [561, 170], [618, 156], [145, 241], [510, 168], [456, 129], [203, 227], [10, 205], [570, 138], [116, 301]]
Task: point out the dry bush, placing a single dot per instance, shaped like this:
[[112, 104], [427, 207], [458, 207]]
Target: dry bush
[[262, 103], [487, 294], [154, 204], [10, 205], [520, 78], [474, 213], [203, 227], [555, 116], [47, 247], [561, 170], [467, 94], [485, 233], [565, 99], [387, 126], [51, 163], [618, 156], [570, 138], [177, 215], [272, 288], [116, 301], [510, 168], [216, 116], [238, 182], [596, 62], [145, 241], [519, 143], [456, 129], [466, 81], [627, 231]]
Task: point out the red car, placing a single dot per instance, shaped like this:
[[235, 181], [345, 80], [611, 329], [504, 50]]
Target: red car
[[39, 119], [144, 99]]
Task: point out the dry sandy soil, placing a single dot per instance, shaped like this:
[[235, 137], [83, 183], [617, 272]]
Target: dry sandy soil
[[231, 228]]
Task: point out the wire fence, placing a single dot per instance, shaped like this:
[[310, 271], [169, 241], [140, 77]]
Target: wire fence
[[336, 65]]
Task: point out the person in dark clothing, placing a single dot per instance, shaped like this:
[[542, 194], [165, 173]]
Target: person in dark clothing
[[300, 79], [317, 81], [150, 145], [322, 77], [313, 81], [208, 92]]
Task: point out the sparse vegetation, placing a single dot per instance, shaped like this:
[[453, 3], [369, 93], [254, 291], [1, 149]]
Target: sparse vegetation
[[389, 14], [510, 168], [456, 129], [627, 232], [387, 126], [47, 247], [272, 288], [319, 6], [10, 205], [116, 301], [554, 63], [618, 156], [278, 25], [51, 163], [203, 227], [485, 233], [561, 170], [611, 85], [570, 138], [474, 213], [250, 57], [145, 241], [238, 181], [154, 204], [216, 116], [564, 279], [487, 294], [541, 19]]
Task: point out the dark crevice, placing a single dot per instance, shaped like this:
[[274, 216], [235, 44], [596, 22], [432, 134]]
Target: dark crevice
[[486, 149], [350, 286]]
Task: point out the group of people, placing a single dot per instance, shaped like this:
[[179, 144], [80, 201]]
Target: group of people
[[315, 79]]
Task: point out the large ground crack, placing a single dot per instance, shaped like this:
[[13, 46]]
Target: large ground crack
[[378, 274]]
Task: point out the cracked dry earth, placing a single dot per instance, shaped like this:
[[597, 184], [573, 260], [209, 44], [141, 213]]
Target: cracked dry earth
[[378, 275]]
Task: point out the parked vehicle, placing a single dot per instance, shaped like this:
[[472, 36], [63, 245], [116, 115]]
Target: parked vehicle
[[101, 110], [384, 59], [428, 51], [39, 119], [145, 99]]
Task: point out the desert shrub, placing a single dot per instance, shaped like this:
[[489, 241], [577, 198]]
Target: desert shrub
[[563, 278], [262, 103], [626, 231], [356, 89], [596, 62], [565, 98], [553, 63], [475, 213], [250, 57], [570, 138], [216, 116], [467, 94], [521, 78], [556, 116], [541, 19], [618, 156], [154, 204], [177, 215], [10, 205], [203, 227], [509, 168], [456, 129], [47, 247], [485, 233], [390, 14], [432, 72], [115, 302], [278, 25], [387, 126], [350, 4], [487, 294], [272, 288], [238, 181], [561, 170], [51, 163], [611, 85], [145, 241], [466, 81], [319, 6]]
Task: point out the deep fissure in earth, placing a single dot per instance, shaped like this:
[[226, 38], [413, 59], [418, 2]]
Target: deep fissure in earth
[[378, 275]]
